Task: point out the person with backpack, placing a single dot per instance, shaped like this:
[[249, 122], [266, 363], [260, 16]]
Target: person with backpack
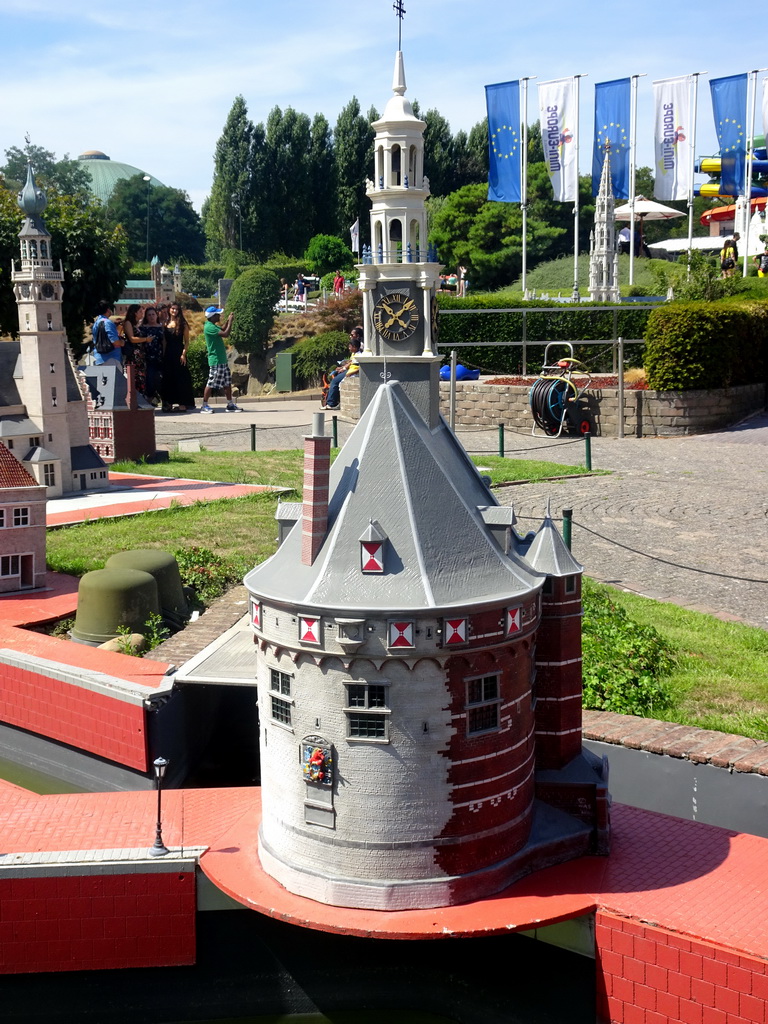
[[728, 257], [107, 343]]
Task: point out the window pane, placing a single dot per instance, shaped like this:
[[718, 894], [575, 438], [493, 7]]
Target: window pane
[[356, 696], [482, 718], [368, 726], [474, 691], [490, 688], [281, 711], [377, 696]]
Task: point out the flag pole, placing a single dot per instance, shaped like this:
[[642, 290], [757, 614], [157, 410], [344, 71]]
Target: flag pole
[[575, 295], [748, 169], [632, 173], [692, 161], [524, 180]]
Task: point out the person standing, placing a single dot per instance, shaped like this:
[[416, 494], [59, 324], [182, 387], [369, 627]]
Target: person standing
[[338, 285], [219, 375], [100, 358], [300, 289], [176, 388]]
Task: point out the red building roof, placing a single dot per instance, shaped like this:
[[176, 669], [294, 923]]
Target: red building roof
[[12, 473]]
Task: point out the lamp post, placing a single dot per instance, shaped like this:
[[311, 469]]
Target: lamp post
[[149, 186], [159, 849]]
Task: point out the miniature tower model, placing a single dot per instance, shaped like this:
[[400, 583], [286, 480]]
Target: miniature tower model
[[56, 449], [603, 256], [398, 639], [397, 277]]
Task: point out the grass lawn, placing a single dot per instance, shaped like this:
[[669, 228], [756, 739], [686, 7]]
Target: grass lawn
[[721, 677], [284, 468]]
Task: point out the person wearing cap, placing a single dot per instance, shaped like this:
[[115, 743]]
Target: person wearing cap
[[219, 375]]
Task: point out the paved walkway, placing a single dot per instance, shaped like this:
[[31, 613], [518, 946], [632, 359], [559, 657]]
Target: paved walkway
[[699, 502]]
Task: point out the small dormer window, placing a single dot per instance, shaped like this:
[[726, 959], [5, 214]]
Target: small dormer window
[[570, 584], [372, 545]]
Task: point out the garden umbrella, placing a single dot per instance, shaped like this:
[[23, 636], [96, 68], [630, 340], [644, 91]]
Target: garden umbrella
[[646, 209]]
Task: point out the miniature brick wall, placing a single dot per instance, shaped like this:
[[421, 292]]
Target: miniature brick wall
[[646, 413], [97, 922], [76, 715], [647, 975]]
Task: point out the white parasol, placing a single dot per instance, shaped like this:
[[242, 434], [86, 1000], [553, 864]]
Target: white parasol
[[646, 209]]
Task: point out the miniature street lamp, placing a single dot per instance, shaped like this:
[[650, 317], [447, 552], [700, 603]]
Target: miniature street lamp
[[159, 849]]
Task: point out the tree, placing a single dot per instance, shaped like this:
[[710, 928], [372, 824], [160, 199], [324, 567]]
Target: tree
[[253, 299], [321, 205], [288, 196], [94, 258], [353, 153], [231, 178], [438, 154], [326, 253], [67, 177], [158, 221]]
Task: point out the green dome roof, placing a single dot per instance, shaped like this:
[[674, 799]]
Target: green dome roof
[[106, 173]]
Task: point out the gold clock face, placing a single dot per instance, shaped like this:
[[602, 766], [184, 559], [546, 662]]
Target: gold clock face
[[396, 316]]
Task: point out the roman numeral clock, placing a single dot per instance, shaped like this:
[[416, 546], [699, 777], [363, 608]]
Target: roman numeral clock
[[396, 316]]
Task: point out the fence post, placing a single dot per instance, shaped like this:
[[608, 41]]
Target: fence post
[[588, 451], [615, 333], [501, 440], [335, 431], [567, 526], [253, 437], [525, 342], [452, 400], [621, 387]]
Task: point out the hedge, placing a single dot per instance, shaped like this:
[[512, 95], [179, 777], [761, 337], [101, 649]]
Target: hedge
[[558, 323], [704, 345], [313, 356]]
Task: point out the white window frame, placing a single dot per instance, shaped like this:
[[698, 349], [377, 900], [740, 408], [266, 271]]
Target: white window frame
[[281, 698], [485, 702], [377, 714], [21, 516]]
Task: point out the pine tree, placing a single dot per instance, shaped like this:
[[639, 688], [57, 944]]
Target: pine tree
[[231, 189], [353, 154]]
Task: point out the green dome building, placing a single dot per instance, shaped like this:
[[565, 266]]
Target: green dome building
[[106, 173]]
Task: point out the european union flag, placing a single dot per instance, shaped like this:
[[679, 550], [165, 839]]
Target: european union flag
[[612, 131], [729, 105], [504, 164]]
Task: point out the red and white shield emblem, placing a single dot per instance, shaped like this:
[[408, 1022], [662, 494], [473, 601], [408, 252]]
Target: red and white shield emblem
[[256, 615], [309, 630], [401, 634], [513, 620], [455, 631]]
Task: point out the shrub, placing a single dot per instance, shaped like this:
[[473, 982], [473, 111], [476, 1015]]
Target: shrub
[[342, 315], [702, 345], [285, 266], [197, 363], [252, 299], [326, 253], [208, 574], [624, 662], [201, 279], [313, 356], [557, 322]]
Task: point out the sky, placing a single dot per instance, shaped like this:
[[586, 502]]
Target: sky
[[151, 84]]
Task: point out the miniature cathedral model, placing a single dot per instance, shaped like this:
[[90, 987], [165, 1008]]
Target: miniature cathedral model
[[418, 662], [603, 255], [43, 414]]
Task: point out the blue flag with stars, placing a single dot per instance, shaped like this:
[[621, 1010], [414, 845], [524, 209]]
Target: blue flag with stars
[[729, 105], [504, 164], [612, 132]]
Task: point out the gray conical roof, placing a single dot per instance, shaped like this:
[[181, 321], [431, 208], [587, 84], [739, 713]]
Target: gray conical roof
[[424, 494], [32, 201], [548, 552]]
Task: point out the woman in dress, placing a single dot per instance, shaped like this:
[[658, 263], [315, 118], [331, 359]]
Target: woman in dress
[[133, 349], [154, 332], [176, 387]]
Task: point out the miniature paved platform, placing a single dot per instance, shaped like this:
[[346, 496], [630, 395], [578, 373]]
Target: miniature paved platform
[[696, 880]]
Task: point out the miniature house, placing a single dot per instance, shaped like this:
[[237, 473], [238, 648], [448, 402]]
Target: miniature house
[[43, 415], [22, 526], [121, 422], [419, 663]]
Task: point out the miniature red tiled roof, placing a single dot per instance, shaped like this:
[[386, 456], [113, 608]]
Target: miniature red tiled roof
[[12, 473]]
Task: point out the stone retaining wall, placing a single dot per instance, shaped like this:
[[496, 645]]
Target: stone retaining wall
[[646, 413]]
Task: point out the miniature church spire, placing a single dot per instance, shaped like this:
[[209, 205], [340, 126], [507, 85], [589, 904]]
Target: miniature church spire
[[603, 257]]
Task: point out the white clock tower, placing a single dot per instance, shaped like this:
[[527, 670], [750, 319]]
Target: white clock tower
[[399, 272]]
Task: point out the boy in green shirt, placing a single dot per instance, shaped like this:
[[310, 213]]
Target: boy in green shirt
[[219, 375]]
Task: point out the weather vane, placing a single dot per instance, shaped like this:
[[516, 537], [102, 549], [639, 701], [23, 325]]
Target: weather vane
[[399, 10]]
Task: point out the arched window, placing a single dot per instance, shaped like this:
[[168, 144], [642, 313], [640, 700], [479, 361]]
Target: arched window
[[396, 169], [412, 155]]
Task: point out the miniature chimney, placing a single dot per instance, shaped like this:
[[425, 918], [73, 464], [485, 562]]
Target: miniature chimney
[[317, 467]]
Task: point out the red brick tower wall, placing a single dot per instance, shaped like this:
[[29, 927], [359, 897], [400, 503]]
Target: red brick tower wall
[[491, 772], [317, 468], [558, 675]]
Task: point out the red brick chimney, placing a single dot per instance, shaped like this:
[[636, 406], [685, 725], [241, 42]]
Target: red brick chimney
[[317, 468]]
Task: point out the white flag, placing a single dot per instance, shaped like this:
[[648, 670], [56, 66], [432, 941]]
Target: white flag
[[354, 232], [673, 131], [559, 126]]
